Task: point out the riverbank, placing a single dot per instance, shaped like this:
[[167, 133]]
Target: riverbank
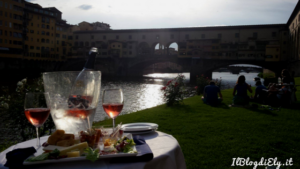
[[211, 136]]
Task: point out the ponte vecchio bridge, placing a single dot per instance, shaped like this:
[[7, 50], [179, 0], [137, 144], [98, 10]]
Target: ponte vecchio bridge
[[197, 50]]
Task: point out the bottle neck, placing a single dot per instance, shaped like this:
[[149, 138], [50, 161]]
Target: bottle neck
[[89, 65]]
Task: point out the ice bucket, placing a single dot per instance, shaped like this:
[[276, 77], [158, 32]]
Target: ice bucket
[[59, 85]]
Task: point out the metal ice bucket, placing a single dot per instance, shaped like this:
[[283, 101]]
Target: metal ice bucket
[[59, 85]]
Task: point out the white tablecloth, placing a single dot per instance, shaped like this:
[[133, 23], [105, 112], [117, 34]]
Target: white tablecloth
[[166, 150]]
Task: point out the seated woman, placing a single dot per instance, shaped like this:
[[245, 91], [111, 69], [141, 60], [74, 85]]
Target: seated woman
[[286, 77], [241, 87], [259, 95]]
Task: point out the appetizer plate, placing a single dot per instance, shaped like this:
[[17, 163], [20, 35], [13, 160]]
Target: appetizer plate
[[40, 151], [139, 128]]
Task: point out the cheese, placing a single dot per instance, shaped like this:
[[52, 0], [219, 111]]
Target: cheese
[[81, 147], [73, 154]]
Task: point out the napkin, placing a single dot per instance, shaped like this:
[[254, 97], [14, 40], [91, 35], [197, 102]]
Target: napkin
[[143, 149], [16, 157]]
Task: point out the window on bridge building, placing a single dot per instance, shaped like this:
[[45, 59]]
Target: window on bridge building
[[255, 35], [157, 36], [273, 34], [92, 36], [219, 35], [237, 35], [130, 53], [144, 37], [117, 37], [76, 37], [129, 37], [104, 37], [203, 36], [187, 36], [172, 36]]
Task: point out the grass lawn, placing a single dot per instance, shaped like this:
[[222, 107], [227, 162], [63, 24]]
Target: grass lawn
[[211, 136]]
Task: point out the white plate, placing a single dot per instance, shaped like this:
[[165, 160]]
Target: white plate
[[138, 128], [141, 132], [40, 151]]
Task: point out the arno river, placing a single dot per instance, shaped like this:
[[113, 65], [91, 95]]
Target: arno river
[[145, 92]]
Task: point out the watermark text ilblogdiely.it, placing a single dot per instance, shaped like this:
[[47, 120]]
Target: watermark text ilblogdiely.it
[[263, 162]]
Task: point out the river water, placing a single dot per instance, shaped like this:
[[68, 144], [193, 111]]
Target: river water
[[143, 93]]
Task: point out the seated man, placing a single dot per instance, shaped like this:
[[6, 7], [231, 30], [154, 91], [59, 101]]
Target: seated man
[[211, 92], [259, 95]]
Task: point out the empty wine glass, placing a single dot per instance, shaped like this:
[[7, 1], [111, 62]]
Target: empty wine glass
[[112, 102], [37, 110]]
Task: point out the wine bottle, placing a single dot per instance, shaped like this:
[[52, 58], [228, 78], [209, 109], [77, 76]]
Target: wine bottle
[[279, 80], [82, 90]]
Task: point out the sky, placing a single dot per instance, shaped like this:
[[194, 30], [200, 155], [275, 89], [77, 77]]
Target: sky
[[138, 14]]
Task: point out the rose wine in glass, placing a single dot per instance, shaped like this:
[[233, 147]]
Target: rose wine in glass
[[112, 102], [37, 110]]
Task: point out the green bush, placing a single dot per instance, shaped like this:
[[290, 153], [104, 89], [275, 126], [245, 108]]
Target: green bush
[[174, 91], [12, 106], [266, 75]]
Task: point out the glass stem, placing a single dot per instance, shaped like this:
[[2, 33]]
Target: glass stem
[[113, 124], [38, 144]]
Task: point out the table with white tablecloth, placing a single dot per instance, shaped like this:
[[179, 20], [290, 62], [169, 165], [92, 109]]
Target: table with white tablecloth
[[166, 150]]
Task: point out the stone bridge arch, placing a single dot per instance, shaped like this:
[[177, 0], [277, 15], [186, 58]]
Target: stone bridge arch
[[170, 50], [159, 48]]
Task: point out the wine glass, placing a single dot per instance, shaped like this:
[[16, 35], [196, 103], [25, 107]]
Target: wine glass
[[37, 110], [112, 102]]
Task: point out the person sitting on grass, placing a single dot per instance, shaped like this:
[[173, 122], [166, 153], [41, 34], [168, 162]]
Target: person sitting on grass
[[259, 95], [210, 94], [277, 97], [241, 87]]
